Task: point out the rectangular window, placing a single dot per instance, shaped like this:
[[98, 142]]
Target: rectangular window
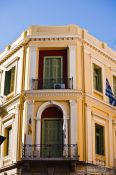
[[52, 71], [97, 78], [8, 145], [99, 139], [9, 81], [114, 85]]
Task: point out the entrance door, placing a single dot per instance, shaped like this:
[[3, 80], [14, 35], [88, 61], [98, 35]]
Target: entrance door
[[52, 137]]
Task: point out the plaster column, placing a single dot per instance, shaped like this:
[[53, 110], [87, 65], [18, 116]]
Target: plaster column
[[72, 64], [31, 66], [15, 134], [93, 139], [38, 131], [89, 132], [65, 130], [2, 146], [73, 121], [110, 142], [73, 126]]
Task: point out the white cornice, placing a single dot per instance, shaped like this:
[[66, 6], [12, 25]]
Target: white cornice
[[100, 50], [4, 55]]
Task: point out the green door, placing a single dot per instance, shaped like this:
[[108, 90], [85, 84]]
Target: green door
[[52, 138], [52, 71]]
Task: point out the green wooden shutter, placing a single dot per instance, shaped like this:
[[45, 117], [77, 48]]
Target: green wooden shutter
[[7, 82], [52, 137], [52, 71]]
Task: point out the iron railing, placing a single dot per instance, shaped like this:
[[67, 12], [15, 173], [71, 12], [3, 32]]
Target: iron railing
[[43, 151], [59, 83]]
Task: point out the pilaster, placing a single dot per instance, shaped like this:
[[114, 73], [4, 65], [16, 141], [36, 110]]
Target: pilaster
[[110, 142], [73, 121], [72, 64], [89, 132]]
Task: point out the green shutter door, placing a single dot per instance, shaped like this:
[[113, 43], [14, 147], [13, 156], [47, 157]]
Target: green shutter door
[[52, 72], [52, 137]]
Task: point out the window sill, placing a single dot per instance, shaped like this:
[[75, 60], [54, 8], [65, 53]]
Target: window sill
[[7, 160], [100, 159], [98, 94], [9, 96]]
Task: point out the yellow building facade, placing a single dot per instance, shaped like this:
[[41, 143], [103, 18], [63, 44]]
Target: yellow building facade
[[54, 110]]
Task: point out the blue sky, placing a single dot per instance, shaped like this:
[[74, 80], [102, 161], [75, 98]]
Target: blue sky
[[97, 16]]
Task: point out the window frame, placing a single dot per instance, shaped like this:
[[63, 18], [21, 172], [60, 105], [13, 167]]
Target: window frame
[[101, 152], [51, 57], [8, 152], [114, 91], [97, 87], [9, 143], [14, 79], [12, 63]]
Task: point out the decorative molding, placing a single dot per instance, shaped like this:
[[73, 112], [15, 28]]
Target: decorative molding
[[100, 61], [101, 102], [8, 117], [52, 37], [1, 71], [93, 46], [12, 61], [48, 104], [51, 93], [100, 116]]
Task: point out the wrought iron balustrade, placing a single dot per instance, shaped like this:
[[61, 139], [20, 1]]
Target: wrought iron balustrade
[[59, 83], [43, 151]]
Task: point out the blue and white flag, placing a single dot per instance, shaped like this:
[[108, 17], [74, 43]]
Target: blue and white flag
[[109, 93]]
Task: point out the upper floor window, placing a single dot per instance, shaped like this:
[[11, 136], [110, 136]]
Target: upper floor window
[[99, 139], [9, 81], [114, 85], [97, 78], [52, 71]]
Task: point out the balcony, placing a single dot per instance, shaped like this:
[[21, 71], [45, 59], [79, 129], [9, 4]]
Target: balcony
[[62, 83], [50, 152]]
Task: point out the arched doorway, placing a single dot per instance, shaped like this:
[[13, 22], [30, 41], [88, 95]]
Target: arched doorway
[[52, 132]]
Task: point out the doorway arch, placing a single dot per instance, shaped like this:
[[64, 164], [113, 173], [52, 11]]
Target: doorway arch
[[52, 132], [65, 119]]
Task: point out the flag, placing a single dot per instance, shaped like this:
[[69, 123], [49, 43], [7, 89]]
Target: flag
[[2, 138], [109, 93], [30, 127]]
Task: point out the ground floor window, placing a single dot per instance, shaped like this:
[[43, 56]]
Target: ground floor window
[[99, 139]]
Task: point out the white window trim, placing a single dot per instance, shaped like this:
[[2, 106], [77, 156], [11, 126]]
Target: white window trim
[[100, 121], [9, 66], [6, 125]]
